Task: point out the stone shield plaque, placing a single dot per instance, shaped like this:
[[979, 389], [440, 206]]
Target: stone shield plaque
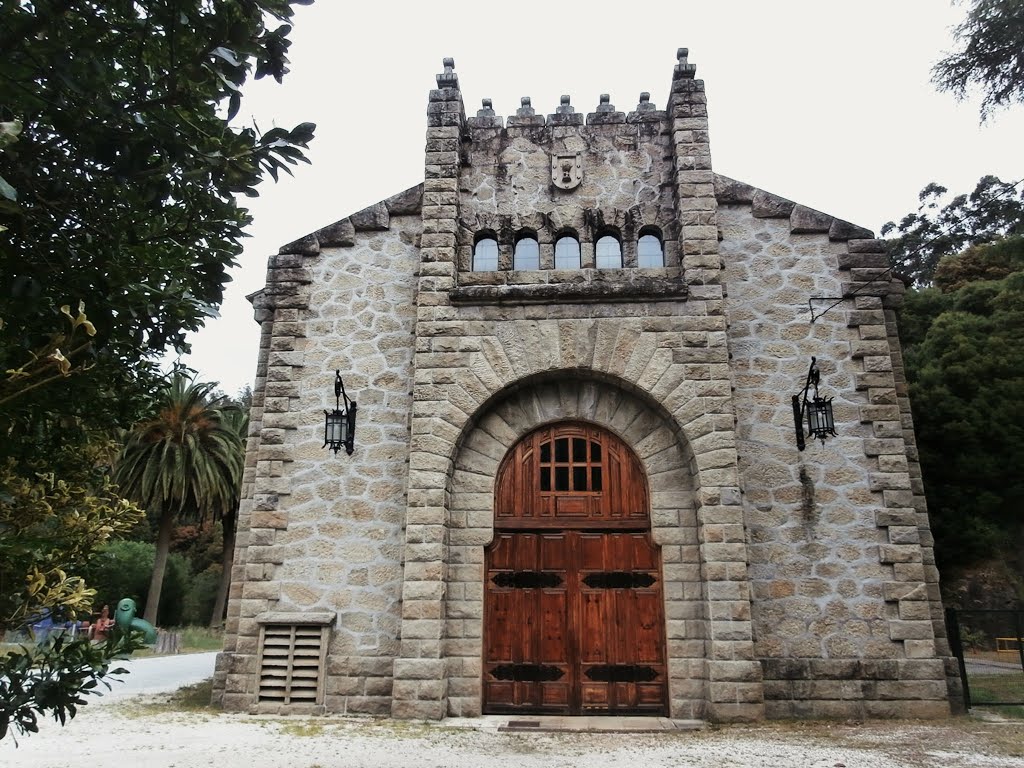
[[567, 170]]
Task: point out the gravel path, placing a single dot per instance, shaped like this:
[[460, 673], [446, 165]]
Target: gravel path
[[149, 732]]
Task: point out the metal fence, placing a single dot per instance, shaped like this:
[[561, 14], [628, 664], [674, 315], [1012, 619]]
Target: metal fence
[[989, 646]]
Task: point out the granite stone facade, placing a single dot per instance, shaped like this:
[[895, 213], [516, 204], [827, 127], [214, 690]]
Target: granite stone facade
[[796, 584]]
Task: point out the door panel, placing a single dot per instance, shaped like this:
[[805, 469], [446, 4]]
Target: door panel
[[574, 624], [527, 623]]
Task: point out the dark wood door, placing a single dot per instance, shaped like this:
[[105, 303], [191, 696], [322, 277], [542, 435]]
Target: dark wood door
[[573, 617]]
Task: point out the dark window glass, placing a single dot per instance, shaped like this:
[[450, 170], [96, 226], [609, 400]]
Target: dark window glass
[[561, 478], [595, 479], [579, 449], [579, 478], [545, 478], [562, 449], [545, 452], [595, 451]]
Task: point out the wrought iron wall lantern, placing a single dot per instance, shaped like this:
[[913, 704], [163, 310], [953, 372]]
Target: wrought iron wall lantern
[[818, 410], [340, 424]]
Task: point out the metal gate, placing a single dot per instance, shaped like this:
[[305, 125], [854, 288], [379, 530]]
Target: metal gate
[[989, 646]]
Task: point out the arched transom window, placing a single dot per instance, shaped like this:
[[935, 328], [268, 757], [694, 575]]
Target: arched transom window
[[649, 250], [526, 254], [567, 252], [571, 474], [608, 253], [485, 253]]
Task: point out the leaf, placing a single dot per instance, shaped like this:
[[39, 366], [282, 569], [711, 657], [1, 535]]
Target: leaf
[[234, 104], [7, 191], [227, 54]]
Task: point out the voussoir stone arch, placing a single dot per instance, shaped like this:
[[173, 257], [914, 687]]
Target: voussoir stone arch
[[641, 356]]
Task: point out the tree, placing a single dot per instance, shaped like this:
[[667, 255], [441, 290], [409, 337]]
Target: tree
[[120, 188], [120, 167], [990, 40], [51, 529], [185, 464], [237, 420], [995, 209], [964, 351]]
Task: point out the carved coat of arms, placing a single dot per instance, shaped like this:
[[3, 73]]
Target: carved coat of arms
[[567, 170]]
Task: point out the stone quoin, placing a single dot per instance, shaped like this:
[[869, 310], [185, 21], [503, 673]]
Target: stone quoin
[[576, 487]]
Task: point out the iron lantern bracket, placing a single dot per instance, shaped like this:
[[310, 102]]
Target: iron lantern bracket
[[817, 410]]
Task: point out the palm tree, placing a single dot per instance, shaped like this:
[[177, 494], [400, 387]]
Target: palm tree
[[184, 464], [236, 419]]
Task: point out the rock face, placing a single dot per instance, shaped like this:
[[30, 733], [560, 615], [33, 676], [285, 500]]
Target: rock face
[[594, 270]]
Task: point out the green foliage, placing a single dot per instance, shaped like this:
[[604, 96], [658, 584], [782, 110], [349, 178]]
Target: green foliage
[[185, 463], [187, 460], [199, 597], [54, 678], [120, 189], [124, 569], [51, 529], [964, 353], [119, 171], [990, 40], [979, 263], [994, 210]]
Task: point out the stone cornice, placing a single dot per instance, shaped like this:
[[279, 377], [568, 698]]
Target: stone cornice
[[802, 220]]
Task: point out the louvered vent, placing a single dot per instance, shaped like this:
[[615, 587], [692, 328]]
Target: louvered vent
[[292, 662]]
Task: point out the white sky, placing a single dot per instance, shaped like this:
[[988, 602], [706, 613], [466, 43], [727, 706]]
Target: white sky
[[824, 102]]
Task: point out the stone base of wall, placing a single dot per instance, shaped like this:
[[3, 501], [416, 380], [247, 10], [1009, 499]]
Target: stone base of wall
[[855, 689]]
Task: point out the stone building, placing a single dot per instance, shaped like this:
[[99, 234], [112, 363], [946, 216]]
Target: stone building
[[576, 486]]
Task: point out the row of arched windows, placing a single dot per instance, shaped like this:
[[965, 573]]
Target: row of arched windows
[[650, 251]]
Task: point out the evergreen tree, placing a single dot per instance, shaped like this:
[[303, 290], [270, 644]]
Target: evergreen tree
[[990, 41], [185, 464]]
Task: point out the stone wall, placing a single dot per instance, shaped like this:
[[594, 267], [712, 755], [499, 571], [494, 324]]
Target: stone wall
[[840, 608], [320, 531]]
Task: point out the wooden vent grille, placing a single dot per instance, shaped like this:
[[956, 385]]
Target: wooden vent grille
[[292, 663]]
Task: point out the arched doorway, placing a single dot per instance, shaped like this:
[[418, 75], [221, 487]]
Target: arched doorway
[[573, 608]]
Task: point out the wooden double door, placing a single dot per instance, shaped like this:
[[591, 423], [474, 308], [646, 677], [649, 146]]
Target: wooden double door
[[573, 603]]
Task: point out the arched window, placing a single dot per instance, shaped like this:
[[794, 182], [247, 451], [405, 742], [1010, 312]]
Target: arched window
[[485, 253], [526, 254], [567, 252], [608, 252], [649, 250]]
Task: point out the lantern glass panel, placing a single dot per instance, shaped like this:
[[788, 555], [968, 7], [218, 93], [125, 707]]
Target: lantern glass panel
[[819, 417], [336, 428]]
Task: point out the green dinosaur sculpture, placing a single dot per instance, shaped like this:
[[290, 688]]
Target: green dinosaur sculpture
[[124, 619]]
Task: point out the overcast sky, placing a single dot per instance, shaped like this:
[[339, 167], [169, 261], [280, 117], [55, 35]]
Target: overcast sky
[[826, 103]]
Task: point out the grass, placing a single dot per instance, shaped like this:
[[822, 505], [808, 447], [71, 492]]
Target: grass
[[200, 639], [303, 728], [193, 640], [1009, 712], [190, 698], [993, 689]]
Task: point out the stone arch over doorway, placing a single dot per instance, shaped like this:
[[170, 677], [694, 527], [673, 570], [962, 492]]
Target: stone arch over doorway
[[668, 464]]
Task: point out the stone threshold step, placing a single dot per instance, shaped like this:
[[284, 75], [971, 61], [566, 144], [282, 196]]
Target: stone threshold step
[[563, 724]]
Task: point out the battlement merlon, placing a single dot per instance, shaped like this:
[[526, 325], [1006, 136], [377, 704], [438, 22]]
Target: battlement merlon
[[445, 107], [684, 70]]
